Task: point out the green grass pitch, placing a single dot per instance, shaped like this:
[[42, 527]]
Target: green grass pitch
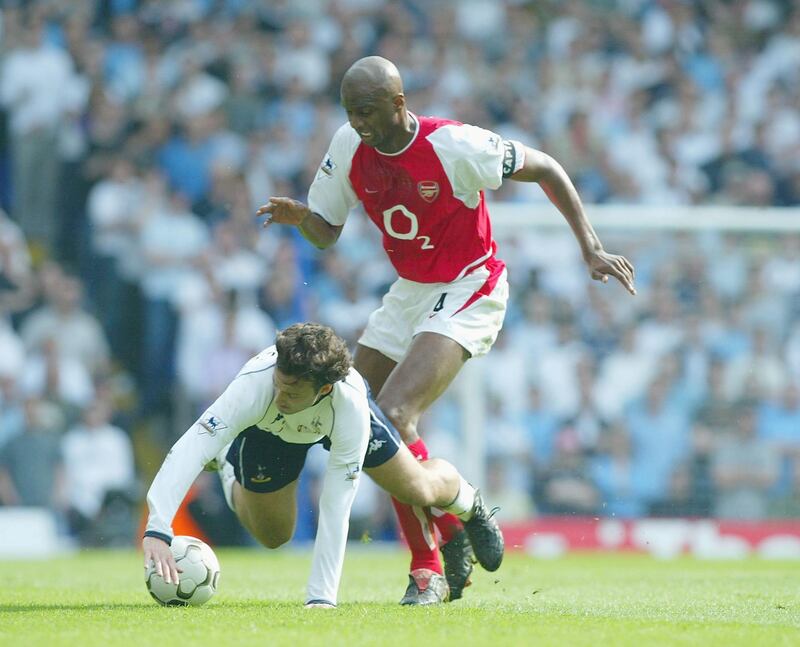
[[99, 598]]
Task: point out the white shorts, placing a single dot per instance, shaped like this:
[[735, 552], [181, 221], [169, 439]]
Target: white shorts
[[469, 310]]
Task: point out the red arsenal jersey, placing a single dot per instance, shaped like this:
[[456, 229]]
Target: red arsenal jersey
[[427, 199]]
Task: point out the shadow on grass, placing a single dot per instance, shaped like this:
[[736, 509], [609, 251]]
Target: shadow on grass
[[24, 608], [127, 606]]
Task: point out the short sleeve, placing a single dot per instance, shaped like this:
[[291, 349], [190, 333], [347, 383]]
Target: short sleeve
[[475, 159], [331, 195]]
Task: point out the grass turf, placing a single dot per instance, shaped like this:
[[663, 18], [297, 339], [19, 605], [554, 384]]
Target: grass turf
[[99, 598]]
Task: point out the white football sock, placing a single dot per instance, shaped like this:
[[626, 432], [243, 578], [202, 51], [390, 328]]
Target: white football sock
[[462, 504]]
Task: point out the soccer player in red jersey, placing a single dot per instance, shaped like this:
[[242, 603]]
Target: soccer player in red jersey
[[421, 181]]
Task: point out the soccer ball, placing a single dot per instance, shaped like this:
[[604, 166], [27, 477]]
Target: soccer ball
[[199, 575]]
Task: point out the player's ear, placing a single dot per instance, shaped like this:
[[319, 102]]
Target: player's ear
[[326, 389], [399, 101]]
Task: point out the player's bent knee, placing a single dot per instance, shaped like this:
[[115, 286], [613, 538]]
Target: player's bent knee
[[269, 534], [272, 538], [275, 542]]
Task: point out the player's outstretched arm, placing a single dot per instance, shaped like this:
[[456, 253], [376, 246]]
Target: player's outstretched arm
[[540, 167], [285, 211]]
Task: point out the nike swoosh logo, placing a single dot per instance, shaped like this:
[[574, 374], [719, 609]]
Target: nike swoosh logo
[[371, 190]]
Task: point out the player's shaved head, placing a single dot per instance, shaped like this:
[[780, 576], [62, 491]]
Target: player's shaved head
[[373, 77], [372, 96]]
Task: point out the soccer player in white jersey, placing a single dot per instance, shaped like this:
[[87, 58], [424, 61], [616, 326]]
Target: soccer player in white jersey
[[293, 395], [421, 181]]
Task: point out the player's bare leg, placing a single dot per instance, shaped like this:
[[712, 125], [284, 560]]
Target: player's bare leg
[[436, 360], [430, 365], [270, 516], [373, 366], [427, 584]]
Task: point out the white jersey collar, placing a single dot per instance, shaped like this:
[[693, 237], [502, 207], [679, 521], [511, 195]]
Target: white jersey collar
[[406, 147]]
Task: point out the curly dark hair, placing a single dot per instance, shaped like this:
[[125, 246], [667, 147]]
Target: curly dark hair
[[313, 352]]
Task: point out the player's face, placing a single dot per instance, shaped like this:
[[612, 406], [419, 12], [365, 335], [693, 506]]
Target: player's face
[[293, 394], [374, 117]]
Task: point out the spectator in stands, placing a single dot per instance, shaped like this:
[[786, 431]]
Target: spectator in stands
[[582, 154], [37, 452], [233, 266], [761, 368], [565, 488], [348, 315], [717, 412], [16, 274], [542, 427], [172, 241], [222, 331], [618, 477], [97, 461], [507, 360], [787, 505], [281, 296], [515, 501], [779, 425], [12, 349], [58, 378], [12, 410], [37, 89], [76, 333], [557, 371], [745, 468], [623, 375], [691, 490], [113, 206], [659, 430]]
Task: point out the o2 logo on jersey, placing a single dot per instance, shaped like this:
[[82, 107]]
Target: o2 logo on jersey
[[413, 224], [428, 190]]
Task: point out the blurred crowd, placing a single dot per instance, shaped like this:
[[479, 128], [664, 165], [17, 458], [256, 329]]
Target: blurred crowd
[[138, 138]]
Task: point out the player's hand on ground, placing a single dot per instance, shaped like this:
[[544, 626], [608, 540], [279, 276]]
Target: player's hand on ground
[[319, 605], [602, 265], [158, 553], [283, 211]]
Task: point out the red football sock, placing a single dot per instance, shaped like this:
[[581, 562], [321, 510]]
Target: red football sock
[[417, 527], [448, 524], [419, 534], [419, 449]]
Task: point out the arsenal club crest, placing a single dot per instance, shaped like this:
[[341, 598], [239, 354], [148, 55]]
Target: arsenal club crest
[[428, 190]]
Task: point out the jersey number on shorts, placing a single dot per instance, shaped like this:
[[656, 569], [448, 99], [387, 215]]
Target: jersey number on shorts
[[440, 303], [413, 230]]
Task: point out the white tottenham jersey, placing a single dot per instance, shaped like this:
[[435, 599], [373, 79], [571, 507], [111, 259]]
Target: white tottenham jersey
[[343, 416]]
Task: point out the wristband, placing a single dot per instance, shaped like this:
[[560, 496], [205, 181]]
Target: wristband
[[159, 535]]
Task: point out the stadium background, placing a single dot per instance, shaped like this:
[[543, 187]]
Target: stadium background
[[139, 137]]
